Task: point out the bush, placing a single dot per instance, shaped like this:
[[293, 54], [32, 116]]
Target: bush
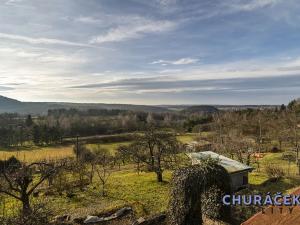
[[242, 212], [275, 149], [10, 164], [210, 201], [274, 172], [40, 215], [289, 155]]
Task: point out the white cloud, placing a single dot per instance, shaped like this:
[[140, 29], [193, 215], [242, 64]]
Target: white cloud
[[182, 61], [40, 55], [166, 2], [254, 4], [170, 71], [41, 71], [133, 31], [18, 52], [48, 41], [12, 2], [88, 19], [185, 61]]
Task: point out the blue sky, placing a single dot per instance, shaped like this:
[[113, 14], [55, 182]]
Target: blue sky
[[150, 51]]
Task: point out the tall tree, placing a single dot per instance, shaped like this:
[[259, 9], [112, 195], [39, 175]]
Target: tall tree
[[157, 149]]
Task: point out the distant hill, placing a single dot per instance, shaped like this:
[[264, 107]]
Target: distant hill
[[14, 106], [4, 101], [8, 104], [242, 107], [200, 109], [220, 107]]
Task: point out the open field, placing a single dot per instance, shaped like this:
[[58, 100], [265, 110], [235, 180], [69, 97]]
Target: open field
[[124, 188], [258, 179], [142, 192], [186, 138], [36, 153], [112, 147]]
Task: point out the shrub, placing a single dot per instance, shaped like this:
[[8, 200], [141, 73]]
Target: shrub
[[274, 172], [40, 215], [10, 164], [196, 189], [289, 155], [275, 149]]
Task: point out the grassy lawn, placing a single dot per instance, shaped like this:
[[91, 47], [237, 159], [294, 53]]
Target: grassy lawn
[[125, 188], [33, 153], [258, 179], [186, 138], [142, 191], [276, 158], [55, 152], [38, 153], [112, 147]]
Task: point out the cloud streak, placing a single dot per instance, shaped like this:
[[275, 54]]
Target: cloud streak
[[193, 89], [254, 4], [88, 19], [134, 31], [5, 88], [46, 41], [182, 61]]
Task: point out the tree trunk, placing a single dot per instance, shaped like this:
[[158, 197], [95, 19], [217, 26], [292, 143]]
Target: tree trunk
[[248, 159], [138, 167], [103, 189], [159, 176], [92, 173], [50, 181], [26, 205], [280, 145]]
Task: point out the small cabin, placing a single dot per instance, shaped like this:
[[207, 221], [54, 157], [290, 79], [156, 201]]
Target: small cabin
[[238, 171]]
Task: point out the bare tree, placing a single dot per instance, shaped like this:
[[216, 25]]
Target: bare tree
[[22, 180], [103, 166], [79, 149], [88, 157], [157, 149]]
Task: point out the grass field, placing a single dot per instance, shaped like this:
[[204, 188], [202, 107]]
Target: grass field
[[259, 179], [56, 152], [39, 153], [36, 153], [142, 192], [125, 188], [112, 147], [186, 138]]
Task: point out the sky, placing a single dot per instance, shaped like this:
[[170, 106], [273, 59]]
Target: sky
[[150, 51]]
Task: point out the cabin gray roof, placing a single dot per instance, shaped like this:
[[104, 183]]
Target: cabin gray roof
[[232, 166]]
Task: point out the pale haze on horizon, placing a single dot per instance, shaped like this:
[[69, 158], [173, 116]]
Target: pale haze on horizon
[[150, 51]]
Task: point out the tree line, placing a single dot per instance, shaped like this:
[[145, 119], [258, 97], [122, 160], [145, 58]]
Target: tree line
[[18, 130]]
